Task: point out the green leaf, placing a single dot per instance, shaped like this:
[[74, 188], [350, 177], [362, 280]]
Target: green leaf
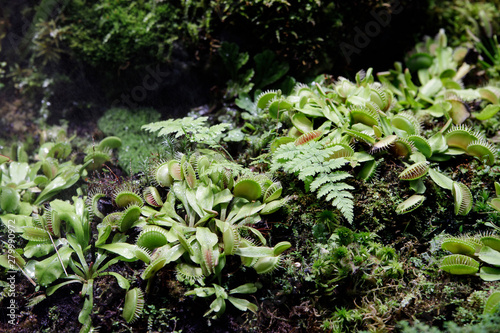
[[417, 185], [16, 223], [244, 211], [257, 233], [232, 58], [247, 288], [267, 69], [122, 282], [489, 273], [222, 197], [53, 289], [489, 111], [431, 88], [244, 101], [419, 61], [201, 292], [40, 249], [438, 143], [255, 251], [243, 304], [205, 237], [440, 179], [18, 172], [50, 269], [123, 249], [171, 254], [218, 306], [9, 199], [88, 304], [103, 232], [4, 159], [111, 142], [61, 182], [152, 268], [490, 256]]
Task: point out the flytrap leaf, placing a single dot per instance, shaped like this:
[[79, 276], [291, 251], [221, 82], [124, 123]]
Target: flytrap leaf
[[482, 150], [492, 241], [459, 264], [489, 273], [264, 98], [458, 246], [492, 303], [248, 188], [415, 171], [134, 304], [463, 198], [410, 204]]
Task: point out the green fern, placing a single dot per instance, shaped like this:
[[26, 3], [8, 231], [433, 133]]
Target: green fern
[[311, 164], [220, 164], [196, 130]]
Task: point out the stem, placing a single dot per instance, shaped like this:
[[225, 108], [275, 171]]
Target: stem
[[30, 279], [57, 252]]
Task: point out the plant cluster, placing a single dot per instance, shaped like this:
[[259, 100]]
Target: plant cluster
[[195, 217], [27, 207], [355, 257], [422, 119], [203, 219], [383, 119]]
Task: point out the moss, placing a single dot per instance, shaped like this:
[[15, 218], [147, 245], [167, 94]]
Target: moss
[[137, 146], [488, 324]]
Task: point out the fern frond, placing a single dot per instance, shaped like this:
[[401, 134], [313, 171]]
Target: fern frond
[[197, 129], [179, 126], [220, 164], [343, 201], [312, 163]]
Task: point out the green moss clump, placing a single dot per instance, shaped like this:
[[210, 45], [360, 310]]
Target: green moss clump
[[136, 144], [489, 324]]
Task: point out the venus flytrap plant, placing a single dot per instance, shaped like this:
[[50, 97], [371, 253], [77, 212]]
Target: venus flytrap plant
[[472, 254], [21, 178], [218, 306], [24, 184], [97, 156], [75, 243], [133, 305], [86, 274], [203, 218], [492, 303]]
